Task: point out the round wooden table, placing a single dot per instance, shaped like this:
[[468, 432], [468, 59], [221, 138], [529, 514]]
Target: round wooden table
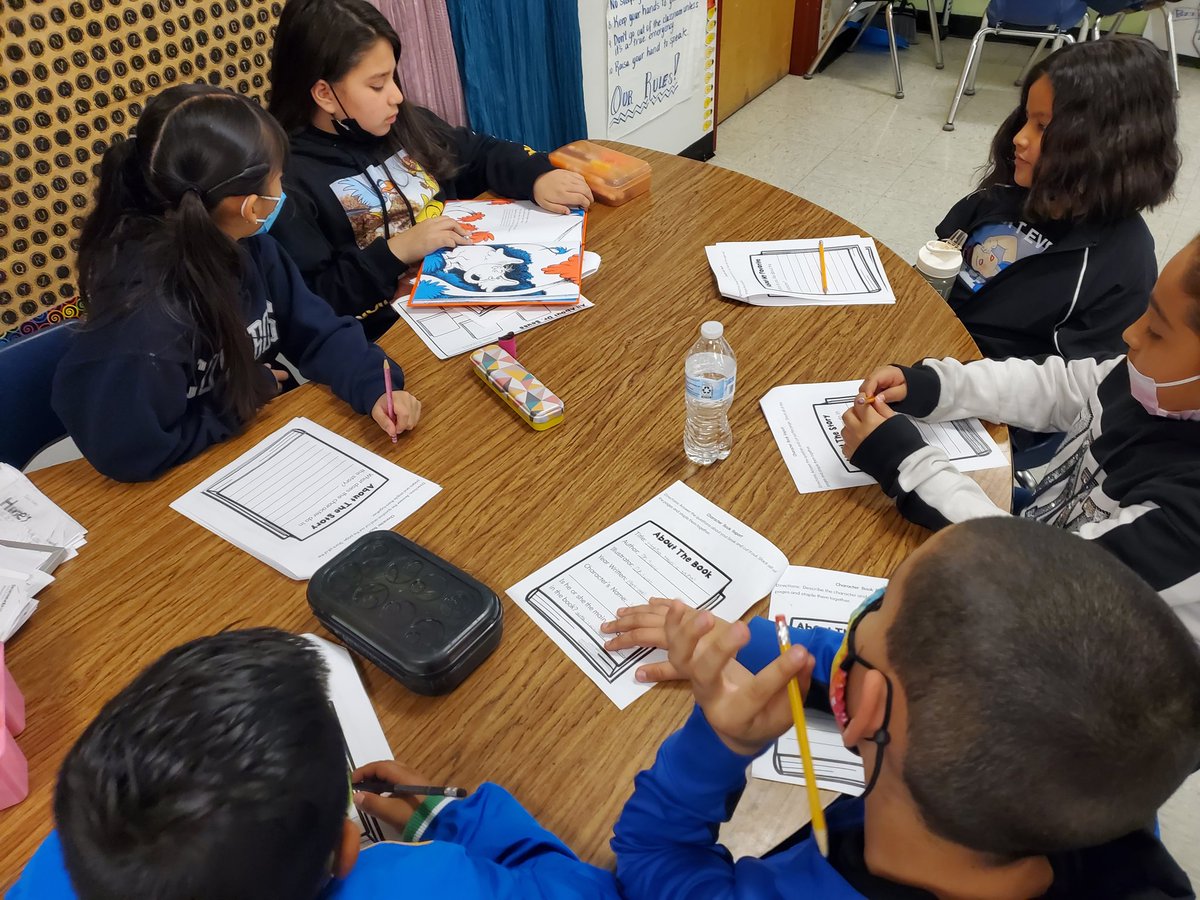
[[512, 500]]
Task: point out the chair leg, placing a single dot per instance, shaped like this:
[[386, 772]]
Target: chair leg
[[1118, 21], [864, 25], [972, 56], [1033, 57], [940, 61], [832, 36], [891, 32], [970, 91], [1169, 24]]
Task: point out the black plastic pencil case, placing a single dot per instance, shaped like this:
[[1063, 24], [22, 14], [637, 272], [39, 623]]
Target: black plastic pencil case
[[423, 621]]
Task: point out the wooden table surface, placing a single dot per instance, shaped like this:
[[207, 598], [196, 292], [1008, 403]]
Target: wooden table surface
[[512, 500]]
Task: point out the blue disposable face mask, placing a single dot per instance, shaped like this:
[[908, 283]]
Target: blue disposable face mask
[[264, 225]]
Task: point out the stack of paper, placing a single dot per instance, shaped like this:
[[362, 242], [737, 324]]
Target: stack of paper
[[518, 254], [788, 273], [35, 536], [451, 330], [301, 496]]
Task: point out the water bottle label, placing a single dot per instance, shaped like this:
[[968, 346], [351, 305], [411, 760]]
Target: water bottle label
[[699, 388]]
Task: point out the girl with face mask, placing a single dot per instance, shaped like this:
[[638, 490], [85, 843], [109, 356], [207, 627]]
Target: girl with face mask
[[370, 170], [188, 300], [1128, 473]]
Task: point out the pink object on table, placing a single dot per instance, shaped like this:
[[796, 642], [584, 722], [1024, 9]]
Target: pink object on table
[[14, 770], [508, 344]]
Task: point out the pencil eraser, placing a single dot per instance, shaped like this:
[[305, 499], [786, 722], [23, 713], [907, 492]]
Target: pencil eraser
[[12, 704], [14, 771], [781, 620]]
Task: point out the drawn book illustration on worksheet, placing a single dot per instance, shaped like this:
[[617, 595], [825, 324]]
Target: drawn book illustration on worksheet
[[806, 422], [960, 440], [811, 598], [301, 495], [850, 270], [333, 485], [677, 545], [518, 254], [651, 562]]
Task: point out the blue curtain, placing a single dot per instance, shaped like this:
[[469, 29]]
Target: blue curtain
[[521, 70]]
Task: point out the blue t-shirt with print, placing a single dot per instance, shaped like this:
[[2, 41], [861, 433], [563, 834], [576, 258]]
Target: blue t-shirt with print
[[994, 247]]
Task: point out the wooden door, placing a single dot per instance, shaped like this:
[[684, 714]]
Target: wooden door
[[756, 49]]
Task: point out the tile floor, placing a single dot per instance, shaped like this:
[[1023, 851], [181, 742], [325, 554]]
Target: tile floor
[[843, 141]]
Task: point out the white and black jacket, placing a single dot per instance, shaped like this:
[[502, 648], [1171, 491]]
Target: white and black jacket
[[1122, 477], [1073, 300]]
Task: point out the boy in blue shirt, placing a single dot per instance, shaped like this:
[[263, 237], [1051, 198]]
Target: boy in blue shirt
[[1018, 733], [220, 772]]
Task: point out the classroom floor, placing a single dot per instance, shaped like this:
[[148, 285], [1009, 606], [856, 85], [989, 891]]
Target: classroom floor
[[843, 141]]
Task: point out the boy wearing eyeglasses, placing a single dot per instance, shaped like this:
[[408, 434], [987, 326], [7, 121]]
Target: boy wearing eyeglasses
[[1015, 744]]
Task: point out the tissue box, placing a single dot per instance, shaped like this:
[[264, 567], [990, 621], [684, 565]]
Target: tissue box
[[14, 770]]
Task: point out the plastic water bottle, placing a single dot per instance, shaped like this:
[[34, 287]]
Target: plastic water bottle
[[710, 376]]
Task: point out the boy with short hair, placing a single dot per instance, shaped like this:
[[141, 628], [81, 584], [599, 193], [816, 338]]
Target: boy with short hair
[[1023, 704], [220, 772]]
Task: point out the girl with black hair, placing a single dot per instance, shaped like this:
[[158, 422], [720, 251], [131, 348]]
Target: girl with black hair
[[1059, 260], [186, 295], [370, 172]]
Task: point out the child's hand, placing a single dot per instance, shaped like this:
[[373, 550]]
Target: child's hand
[[559, 190], [887, 383], [643, 626], [860, 420], [746, 711], [438, 233], [395, 810], [408, 413], [281, 377]]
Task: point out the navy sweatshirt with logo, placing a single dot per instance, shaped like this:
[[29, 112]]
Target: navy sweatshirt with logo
[[1036, 289], [136, 392]]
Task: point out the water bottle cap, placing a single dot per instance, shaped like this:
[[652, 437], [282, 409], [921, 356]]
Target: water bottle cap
[[940, 259], [712, 331]]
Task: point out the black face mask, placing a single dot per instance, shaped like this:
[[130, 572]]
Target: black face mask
[[349, 127]]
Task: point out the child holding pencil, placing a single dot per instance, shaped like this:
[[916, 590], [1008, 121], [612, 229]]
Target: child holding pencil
[[220, 773], [1126, 476], [189, 300], [1002, 760]]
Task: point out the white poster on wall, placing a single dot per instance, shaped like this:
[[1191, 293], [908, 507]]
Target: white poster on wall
[[656, 54]]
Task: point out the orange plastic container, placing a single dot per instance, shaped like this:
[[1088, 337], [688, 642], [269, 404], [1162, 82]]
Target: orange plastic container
[[614, 177]]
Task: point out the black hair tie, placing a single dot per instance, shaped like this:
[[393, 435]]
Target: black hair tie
[[200, 192]]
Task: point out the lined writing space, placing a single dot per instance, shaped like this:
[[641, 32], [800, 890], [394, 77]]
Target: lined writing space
[[297, 485]]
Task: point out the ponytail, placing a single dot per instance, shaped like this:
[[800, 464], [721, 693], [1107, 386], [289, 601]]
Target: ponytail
[[196, 145], [201, 269]]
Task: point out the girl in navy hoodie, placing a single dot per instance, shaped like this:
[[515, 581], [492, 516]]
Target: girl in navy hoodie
[[188, 300], [370, 171], [1059, 260]]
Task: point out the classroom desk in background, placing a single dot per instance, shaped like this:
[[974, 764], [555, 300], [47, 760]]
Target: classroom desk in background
[[512, 500]]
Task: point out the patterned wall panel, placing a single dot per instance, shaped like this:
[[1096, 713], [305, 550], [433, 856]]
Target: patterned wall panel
[[74, 75]]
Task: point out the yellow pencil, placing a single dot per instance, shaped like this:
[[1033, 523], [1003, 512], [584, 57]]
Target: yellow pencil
[[824, 272], [819, 829]]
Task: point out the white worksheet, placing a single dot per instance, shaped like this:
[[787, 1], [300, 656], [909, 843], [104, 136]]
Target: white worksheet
[[788, 273], [361, 732], [27, 515], [452, 330], [302, 495], [678, 545], [817, 598], [806, 420]]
